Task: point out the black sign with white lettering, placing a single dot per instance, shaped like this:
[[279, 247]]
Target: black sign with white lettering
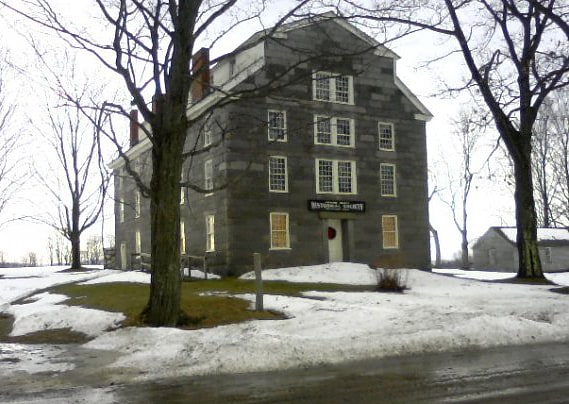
[[336, 206]]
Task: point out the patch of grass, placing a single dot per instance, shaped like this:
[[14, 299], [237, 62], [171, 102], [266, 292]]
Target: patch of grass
[[205, 304]]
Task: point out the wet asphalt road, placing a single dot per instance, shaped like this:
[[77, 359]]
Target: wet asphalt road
[[528, 374]]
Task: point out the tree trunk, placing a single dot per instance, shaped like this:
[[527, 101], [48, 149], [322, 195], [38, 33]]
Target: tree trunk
[[75, 237], [75, 251], [465, 261], [526, 218], [163, 308], [438, 260]]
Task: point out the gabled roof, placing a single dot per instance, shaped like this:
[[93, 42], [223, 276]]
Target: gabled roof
[[314, 19], [546, 237]]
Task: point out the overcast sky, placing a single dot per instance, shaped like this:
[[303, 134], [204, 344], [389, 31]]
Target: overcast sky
[[489, 205]]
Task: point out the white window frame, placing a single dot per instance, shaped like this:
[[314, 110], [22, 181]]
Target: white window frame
[[335, 177], [319, 76], [334, 130], [286, 230], [207, 134], [379, 136], [208, 176], [272, 175], [137, 204], [137, 242], [383, 180], [395, 232], [210, 233], [283, 128], [182, 237], [121, 210]]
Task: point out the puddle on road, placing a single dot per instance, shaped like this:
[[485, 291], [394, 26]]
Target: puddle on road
[[32, 359]]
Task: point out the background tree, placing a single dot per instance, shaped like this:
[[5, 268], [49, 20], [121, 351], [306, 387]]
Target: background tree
[[10, 177], [78, 181], [516, 54]]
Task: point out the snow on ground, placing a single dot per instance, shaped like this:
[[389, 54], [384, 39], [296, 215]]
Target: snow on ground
[[450, 310]]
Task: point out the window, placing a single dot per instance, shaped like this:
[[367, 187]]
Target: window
[[334, 131], [277, 126], [492, 256], [210, 233], [279, 231], [389, 230], [121, 210], [182, 188], [548, 259], [387, 179], [208, 175], [278, 181], [138, 242], [386, 136], [335, 177], [207, 135], [333, 87], [182, 237], [137, 204]]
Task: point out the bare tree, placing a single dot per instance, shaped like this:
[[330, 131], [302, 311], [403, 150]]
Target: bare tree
[[79, 182], [435, 233], [94, 249], [516, 54], [151, 50], [459, 182], [551, 161], [9, 140]]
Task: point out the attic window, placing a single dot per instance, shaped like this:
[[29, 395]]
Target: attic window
[[333, 87]]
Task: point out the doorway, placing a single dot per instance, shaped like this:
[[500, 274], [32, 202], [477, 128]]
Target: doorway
[[335, 240]]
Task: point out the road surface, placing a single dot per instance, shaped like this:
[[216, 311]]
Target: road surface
[[527, 374]]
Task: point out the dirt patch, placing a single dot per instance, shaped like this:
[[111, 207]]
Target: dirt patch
[[57, 336]]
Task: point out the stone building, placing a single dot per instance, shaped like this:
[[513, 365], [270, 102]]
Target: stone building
[[497, 250], [330, 165]]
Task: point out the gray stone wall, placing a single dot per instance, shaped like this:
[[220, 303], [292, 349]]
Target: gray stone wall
[[243, 205]]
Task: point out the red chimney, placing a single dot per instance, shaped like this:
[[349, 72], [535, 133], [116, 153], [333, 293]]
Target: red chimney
[[201, 74], [133, 127]]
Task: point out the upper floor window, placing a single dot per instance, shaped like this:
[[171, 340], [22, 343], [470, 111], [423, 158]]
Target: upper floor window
[[207, 135], [334, 131], [333, 87], [390, 231], [279, 231], [137, 203], [387, 180], [386, 136], [121, 210], [208, 175], [335, 177], [277, 126], [278, 176]]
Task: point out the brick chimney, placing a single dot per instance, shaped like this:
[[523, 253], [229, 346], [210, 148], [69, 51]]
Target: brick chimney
[[133, 127], [201, 75]]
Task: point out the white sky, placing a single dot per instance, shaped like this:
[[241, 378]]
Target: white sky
[[321, 328], [488, 206]]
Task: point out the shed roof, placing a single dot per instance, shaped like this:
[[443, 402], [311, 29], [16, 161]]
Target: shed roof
[[545, 236]]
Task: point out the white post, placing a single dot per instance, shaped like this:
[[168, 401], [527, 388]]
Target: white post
[[258, 282]]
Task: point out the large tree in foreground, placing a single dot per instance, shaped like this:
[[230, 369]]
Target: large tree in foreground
[[517, 54], [149, 44]]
